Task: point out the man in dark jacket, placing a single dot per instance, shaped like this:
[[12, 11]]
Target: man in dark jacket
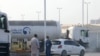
[[48, 46]]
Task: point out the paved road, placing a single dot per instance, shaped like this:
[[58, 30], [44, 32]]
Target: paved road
[[90, 54], [87, 54]]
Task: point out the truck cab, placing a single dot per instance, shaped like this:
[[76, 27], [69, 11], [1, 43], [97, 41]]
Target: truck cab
[[79, 34], [4, 35]]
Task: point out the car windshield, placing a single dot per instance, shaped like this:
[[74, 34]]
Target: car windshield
[[56, 42]]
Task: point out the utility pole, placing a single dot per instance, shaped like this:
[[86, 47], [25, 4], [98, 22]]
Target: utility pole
[[38, 14], [22, 15], [87, 3], [59, 13], [44, 24], [82, 12]]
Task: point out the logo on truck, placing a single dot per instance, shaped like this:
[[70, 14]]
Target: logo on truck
[[26, 30]]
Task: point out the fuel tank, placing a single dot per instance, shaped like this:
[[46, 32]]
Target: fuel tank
[[27, 29]]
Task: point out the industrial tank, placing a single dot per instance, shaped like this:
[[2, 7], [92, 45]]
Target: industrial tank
[[27, 29]]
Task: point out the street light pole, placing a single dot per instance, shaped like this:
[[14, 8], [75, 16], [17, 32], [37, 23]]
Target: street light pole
[[22, 15], [87, 13], [44, 23], [82, 12], [38, 13], [87, 3], [59, 13]]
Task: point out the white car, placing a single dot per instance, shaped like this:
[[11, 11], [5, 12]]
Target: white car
[[65, 47]]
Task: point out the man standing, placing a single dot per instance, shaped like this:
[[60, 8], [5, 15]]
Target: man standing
[[35, 46], [48, 46]]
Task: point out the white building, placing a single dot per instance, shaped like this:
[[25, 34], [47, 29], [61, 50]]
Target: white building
[[94, 37]]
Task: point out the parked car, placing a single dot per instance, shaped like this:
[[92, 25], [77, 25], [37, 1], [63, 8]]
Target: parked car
[[65, 47]]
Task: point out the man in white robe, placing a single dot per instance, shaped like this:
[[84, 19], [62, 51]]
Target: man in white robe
[[35, 46]]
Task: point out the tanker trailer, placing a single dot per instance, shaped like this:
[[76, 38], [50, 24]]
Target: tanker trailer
[[23, 31]]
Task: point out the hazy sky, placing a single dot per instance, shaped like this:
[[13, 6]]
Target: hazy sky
[[71, 12]]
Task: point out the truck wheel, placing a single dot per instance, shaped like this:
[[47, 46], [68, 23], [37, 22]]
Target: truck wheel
[[82, 53], [64, 53]]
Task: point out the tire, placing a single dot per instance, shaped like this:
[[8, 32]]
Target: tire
[[68, 55], [82, 53], [64, 53]]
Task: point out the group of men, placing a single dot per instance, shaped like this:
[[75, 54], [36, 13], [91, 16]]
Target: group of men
[[35, 46]]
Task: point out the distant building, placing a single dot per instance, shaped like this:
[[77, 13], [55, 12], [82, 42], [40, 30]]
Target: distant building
[[97, 21]]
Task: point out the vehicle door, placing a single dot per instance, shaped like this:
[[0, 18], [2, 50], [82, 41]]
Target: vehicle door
[[56, 45], [75, 47], [68, 47]]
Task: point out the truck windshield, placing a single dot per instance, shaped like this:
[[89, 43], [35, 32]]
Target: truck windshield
[[2, 22], [84, 33]]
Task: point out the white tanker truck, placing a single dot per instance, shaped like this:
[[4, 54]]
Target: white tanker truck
[[23, 31]]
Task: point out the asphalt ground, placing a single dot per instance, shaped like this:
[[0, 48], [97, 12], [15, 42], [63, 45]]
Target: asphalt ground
[[91, 54], [28, 54]]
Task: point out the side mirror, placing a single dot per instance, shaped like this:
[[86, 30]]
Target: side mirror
[[7, 31]]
